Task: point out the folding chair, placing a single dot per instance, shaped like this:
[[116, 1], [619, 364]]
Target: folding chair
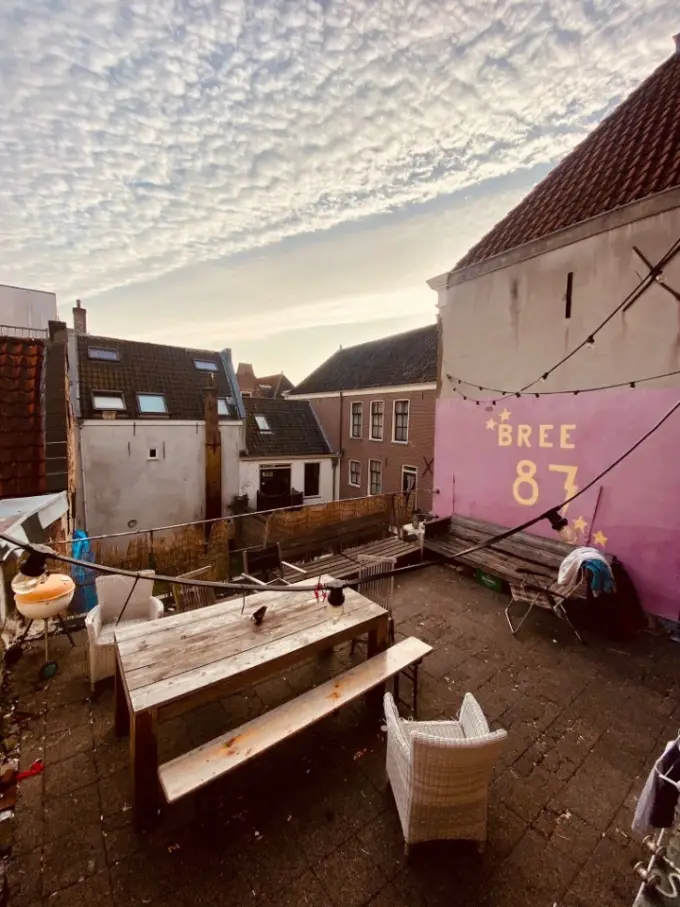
[[540, 591], [380, 590], [188, 598], [266, 561]]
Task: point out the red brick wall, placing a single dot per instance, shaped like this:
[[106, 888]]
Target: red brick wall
[[418, 449]]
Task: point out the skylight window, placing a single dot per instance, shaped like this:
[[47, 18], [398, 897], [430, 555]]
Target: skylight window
[[108, 400], [262, 424], [204, 365], [98, 352], [225, 406], [152, 404]]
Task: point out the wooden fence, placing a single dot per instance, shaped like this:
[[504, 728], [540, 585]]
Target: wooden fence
[[303, 534]]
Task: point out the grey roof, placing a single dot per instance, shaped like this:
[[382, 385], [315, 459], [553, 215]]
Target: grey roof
[[294, 429], [151, 368], [408, 358]]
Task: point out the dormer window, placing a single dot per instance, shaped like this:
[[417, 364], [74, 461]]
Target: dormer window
[[99, 352], [152, 404], [105, 401]]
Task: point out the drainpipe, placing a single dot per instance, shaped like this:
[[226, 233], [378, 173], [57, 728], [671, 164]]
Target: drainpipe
[[340, 450], [82, 476]]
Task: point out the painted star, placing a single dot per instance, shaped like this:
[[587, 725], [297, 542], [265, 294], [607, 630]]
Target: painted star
[[580, 524], [505, 415], [491, 424], [600, 538]]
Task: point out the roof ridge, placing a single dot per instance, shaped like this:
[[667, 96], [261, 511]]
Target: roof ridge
[[172, 346]]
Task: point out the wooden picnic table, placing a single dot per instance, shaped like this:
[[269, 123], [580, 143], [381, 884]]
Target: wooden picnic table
[[170, 666]]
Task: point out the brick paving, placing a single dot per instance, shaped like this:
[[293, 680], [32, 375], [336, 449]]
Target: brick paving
[[313, 823]]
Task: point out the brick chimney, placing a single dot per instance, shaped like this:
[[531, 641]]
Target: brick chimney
[[247, 382], [213, 456], [79, 318]]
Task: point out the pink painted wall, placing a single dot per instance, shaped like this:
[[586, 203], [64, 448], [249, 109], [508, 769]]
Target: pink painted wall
[[559, 441]]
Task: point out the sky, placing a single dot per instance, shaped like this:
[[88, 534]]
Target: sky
[[281, 177]]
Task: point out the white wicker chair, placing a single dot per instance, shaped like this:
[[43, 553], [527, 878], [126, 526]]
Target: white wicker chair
[[101, 622], [440, 771]]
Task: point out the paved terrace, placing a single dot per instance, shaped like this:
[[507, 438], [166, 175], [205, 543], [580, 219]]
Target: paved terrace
[[313, 822]]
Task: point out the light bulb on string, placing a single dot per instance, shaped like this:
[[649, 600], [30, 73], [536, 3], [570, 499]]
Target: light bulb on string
[[590, 342], [544, 377], [632, 384], [561, 526]]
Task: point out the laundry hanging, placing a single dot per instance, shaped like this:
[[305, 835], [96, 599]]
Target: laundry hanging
[[659, 797]]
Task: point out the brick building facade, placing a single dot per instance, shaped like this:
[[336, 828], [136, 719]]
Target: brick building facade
[[376, 404]]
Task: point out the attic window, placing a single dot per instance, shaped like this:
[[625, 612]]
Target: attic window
[[152, 404], [262, 424], [204, 365], [98, 352], [225, 406], [108, 400]]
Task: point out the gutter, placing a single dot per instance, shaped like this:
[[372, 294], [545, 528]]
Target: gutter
[[225, 358]]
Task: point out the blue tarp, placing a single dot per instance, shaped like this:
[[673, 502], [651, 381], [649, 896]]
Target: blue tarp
[[85, 597]]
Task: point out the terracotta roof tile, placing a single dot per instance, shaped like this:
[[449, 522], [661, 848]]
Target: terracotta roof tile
[[633, 153], [22, 448]]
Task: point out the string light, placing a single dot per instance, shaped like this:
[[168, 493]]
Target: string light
[[641, 287], [576, 392]]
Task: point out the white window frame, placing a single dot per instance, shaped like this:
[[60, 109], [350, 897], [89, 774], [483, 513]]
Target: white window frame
[[206, 365], [349, 474], [259, 419], [410, 470], [351, 420], [107, 409], [93, 350], [379, 462], [370, 420], [143, 412], [406, 400], [304, 479]]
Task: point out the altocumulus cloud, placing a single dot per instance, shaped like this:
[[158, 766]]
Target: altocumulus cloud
[[143, 136]]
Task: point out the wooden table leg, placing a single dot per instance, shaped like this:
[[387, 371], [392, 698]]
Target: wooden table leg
[[121, 720], [378, 641], [378, 637], [144, 759]]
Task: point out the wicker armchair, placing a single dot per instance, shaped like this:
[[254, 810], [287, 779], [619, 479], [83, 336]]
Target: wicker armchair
[[101, 622], [440, 771]]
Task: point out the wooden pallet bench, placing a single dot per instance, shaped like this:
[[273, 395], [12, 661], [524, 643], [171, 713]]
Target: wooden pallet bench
[[513, 560], [197, 768], [346, 564]]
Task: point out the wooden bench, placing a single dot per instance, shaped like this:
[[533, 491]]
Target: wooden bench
[[514, 560], [193, 770]]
